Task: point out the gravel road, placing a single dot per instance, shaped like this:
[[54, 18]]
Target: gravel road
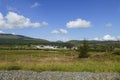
[[47, 75]]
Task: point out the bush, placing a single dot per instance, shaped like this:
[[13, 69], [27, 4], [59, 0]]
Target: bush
[[116, 51], [84, 50]]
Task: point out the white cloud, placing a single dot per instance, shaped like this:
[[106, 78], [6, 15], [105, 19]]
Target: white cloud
[[60, 31], [108, 37], [36, 4], [96, 38], [14, 20], [63, 31], [13, 33], [78, 23], [108, 25], [55, 32]]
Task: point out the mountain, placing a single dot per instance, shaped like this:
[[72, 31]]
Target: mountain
[[11, 39]]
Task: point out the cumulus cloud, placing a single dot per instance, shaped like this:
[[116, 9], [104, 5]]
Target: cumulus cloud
[[36, 4], [78, 23], [60, 31], [55, 32], [63, 31], [108, 25], [14, 20], [108, 37]]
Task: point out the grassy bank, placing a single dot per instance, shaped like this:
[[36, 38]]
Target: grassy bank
[[39, 60]]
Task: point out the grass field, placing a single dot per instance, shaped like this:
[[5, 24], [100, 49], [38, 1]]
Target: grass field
[[59, 60]]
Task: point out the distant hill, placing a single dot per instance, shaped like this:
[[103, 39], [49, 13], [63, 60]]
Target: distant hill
[[75, 42], [11, 39], [78, 42]]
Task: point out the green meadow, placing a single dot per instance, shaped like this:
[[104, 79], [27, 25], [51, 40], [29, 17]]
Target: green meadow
[[58, 60]]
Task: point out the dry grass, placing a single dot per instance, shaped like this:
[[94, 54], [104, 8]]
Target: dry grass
[[57, 61]]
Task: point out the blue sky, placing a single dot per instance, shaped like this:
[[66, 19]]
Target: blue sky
[[61, 19]]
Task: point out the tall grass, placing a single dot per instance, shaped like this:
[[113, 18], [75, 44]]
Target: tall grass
[[57, 61]]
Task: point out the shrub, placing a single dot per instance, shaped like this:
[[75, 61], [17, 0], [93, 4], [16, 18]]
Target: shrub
[[84, 50]]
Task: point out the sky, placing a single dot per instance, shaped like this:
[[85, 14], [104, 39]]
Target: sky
[[61, 19]]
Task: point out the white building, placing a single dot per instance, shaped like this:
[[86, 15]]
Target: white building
[[46, 47]]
